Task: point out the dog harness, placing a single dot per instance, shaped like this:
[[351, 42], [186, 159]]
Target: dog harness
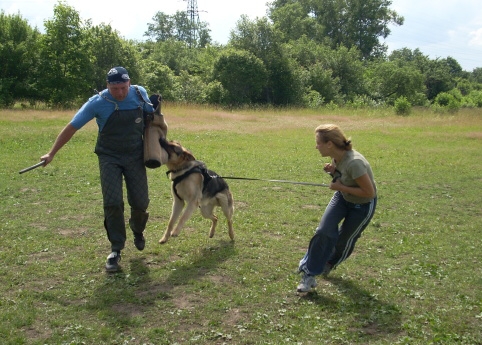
[[200, 169]]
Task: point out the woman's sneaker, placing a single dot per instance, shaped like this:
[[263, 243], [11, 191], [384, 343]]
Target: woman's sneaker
[[112, 264], [307, 283]]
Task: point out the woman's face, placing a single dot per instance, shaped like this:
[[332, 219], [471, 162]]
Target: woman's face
[[321, 146], [119, 91]]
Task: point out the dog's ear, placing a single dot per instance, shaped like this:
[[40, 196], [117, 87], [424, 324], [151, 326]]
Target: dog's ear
[[188, 156]]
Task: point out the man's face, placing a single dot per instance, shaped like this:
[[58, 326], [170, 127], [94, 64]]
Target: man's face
[[119, 91]]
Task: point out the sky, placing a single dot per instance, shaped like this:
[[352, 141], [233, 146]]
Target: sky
[[437, 28]]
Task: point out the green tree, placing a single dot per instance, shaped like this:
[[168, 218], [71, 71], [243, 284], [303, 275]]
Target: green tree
[[473, 99], [349, 23], [414, 57], [65, 58], [260, 38], [18, 59], [108, 49], [337, 74], [440, 75], [346, 66], [391, 80], [162, 29], [242, 75], [465, 86], [476, 75], [305, 51], [438, 78], [454, 67], [175, 54], [366, 22], [160, 79], [173, 59], [178, 27], [322, 81], [316, 62], [292, 21]]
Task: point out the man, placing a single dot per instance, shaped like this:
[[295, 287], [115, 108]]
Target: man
[[119, 112]]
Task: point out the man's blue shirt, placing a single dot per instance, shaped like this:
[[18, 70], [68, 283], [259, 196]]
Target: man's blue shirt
[[99, 108]]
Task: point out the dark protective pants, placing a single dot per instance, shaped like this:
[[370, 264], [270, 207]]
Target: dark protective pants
[[112, 171], [120, 151]]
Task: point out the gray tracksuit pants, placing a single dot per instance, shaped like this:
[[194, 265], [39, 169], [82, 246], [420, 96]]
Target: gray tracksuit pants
[[340, 227]]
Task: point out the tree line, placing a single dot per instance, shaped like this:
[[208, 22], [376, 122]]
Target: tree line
[[306, 53]]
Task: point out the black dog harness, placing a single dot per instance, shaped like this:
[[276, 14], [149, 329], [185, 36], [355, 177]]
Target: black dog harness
[[200, 169]]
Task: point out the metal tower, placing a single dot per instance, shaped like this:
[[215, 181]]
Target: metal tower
[[193, 15]]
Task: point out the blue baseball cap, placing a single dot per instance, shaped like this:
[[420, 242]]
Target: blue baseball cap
[[117, 75]]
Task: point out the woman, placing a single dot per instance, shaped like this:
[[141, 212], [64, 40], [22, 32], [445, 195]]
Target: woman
[[349, 212]]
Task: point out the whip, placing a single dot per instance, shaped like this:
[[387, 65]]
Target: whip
[[39, 164]]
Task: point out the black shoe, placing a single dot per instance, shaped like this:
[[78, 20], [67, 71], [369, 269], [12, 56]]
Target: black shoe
[[139, 241], [112, 264]]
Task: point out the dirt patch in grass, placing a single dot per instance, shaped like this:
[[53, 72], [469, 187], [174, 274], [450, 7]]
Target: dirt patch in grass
[[474, 135]]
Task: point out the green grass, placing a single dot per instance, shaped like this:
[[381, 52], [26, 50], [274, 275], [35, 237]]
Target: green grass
[[415, 276]]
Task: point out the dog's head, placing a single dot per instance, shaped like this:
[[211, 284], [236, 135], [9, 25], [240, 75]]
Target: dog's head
[[175, 153]]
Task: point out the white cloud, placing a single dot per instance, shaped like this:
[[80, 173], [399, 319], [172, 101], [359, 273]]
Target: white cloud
[[476, 38]]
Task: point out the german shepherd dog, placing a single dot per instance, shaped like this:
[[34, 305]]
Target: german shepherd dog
[[193, 185]]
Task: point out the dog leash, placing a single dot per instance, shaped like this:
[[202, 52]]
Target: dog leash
[[280, 181]]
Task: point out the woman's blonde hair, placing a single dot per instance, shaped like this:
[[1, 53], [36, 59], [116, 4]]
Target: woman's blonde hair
[[333, 133]]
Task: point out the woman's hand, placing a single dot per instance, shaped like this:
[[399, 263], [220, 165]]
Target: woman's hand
[[329, 168], [365, 187], [336, 185]]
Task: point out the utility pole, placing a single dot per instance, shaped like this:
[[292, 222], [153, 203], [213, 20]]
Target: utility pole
[[193, 15]]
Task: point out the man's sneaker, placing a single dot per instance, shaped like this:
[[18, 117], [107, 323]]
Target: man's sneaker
[[139, 241], [327, 270], [112, 264], [307, 283]]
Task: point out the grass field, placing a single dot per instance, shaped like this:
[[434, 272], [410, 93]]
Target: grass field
[[415, 276]]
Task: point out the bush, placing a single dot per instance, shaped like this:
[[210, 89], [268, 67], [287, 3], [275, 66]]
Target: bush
[[215, 93], [475, 98], [402, 106], [313, 99], [447, 101]]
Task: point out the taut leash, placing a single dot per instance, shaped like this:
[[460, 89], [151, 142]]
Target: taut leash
[[280, 181]]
